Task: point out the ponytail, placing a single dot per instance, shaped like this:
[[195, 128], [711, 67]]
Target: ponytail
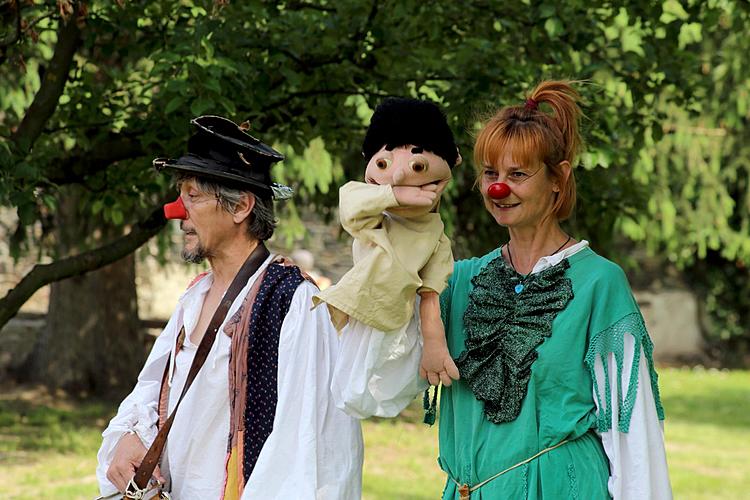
[[535, 136]]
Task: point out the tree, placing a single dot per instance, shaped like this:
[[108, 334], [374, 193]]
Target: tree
[[696, 167], [93, 90]]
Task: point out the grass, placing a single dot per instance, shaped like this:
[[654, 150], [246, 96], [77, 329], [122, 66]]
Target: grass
[[48, 444], [707, 432]]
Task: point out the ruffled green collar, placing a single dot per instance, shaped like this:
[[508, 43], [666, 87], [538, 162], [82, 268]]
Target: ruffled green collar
[[504, 327]]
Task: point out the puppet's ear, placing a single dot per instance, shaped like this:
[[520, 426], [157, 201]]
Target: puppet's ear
[[459, 160]]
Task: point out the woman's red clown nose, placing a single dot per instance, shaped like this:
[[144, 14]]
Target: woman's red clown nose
[[175, 210], [498, 190]]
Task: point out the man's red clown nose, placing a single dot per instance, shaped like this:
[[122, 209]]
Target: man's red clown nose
[[175, 210], [498, 190]]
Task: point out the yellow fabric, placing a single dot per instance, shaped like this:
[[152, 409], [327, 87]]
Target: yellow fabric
[[232, 487], [394, 259]]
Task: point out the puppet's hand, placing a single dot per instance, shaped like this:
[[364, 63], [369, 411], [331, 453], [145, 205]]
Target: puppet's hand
[[437, 365], [415, 196]]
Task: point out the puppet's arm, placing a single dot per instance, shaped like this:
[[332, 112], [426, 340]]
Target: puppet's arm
[[437, 365], [361, 205]]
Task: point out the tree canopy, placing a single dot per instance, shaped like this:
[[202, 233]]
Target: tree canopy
[[91, 91]]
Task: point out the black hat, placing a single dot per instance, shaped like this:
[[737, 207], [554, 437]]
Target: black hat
[[399, 121], [222, 151]]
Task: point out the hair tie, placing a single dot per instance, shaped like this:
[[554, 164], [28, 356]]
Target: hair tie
[[531, 104]]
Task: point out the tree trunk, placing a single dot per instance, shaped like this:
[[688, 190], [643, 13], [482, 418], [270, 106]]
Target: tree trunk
[[92, 342]]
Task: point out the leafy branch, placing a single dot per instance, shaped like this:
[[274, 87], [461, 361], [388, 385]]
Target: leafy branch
[[46, 99]]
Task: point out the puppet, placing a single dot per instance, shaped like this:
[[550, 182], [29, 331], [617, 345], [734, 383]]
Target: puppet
[[400, 251]]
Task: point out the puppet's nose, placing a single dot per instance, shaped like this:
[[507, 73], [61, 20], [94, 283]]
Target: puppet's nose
[[175, 210], [498, 191]]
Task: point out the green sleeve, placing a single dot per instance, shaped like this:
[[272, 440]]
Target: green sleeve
[[614, 316]]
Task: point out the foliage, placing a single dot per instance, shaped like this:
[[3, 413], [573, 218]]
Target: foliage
[[144, 68], [307, 73], [695, 167]]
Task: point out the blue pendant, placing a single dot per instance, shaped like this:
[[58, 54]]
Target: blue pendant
[[519, 288]]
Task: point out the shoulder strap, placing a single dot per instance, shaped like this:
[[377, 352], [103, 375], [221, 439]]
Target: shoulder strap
[[148, 464]]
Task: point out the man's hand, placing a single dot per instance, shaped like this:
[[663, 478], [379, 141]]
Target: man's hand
[[416, 196], [128, 456]]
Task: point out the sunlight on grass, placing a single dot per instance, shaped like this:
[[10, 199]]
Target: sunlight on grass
[[48, 445], [707, 432], [401, 458]]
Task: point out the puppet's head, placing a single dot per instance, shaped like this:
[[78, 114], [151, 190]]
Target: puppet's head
[[409, 143]]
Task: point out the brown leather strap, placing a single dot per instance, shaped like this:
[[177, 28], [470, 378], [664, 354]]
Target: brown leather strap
[[164, 389], [251, 265]]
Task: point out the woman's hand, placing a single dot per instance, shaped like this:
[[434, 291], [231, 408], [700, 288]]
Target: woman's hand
[[416, 196], [437, 365]]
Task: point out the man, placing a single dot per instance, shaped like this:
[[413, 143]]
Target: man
[[258, 420]]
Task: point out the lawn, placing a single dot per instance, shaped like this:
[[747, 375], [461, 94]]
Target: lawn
[[48, 444]]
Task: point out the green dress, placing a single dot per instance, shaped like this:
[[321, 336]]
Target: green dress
[[526, 356]]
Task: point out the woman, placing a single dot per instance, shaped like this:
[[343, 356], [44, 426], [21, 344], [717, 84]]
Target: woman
[[558, 396]]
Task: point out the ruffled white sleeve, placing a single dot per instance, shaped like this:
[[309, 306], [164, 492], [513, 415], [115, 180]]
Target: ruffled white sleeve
[[138, 413], [315, 451], [631, 419]]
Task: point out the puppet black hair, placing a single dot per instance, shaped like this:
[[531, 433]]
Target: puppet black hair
[[399, 121]]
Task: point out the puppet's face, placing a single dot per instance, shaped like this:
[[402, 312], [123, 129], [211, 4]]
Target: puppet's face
[[408, 166]]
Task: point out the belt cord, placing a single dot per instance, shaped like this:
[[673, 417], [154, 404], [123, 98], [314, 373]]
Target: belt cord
[[465, 490]]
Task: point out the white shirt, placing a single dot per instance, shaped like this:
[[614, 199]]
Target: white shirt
[[315, 451]]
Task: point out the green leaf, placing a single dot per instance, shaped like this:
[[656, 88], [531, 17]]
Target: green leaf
[[25, 171], [554, 27], [174, 104], [201, 105], [117, 217], [97, 206], [213, 84]]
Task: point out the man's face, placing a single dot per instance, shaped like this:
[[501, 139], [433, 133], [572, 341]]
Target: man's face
[[207, 224]]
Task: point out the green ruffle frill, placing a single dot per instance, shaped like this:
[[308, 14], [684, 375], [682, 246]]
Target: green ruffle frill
[[504, 329]]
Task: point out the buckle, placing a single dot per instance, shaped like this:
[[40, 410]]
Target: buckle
[[133, 492]]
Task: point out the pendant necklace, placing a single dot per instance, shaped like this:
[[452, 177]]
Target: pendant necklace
[[520, 286]]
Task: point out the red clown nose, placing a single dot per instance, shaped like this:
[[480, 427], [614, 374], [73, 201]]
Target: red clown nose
[[175, 210], [498, 190]]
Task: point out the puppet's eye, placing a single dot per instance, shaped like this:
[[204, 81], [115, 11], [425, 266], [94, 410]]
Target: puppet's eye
[[382, 163], [419, 165]]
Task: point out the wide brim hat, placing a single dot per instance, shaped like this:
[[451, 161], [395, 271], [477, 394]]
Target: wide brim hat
[[222, 151]]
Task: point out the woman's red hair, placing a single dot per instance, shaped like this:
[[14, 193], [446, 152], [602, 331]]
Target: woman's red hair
[[536, 137]]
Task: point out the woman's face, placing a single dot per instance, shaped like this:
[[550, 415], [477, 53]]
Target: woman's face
[[532, 192]]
